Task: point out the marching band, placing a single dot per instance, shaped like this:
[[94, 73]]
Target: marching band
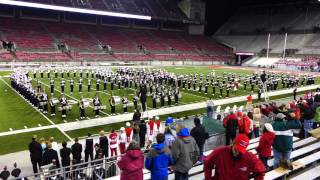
[[161, 86]]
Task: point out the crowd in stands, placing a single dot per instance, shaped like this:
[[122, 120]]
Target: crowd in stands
[[306, 63], [146, 144]]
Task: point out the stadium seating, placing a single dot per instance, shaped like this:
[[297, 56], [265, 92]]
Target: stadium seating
[[75, 36], [83, 42], [36, 56], [28, 35], [6, 56]]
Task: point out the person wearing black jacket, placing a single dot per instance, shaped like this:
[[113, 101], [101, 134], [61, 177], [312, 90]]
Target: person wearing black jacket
[[50, 156], [200, 135], [65, 155], [104, 144], [76, 150], [142, 133], [136, 116], [35, 154], [88, 151]]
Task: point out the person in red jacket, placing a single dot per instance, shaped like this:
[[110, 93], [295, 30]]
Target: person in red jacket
[[231, 124], [265, 144], [131, 164], [244, 124], [233, 162]]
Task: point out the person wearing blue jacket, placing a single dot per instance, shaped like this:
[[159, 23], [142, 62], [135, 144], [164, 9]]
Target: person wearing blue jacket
[[159, 159]]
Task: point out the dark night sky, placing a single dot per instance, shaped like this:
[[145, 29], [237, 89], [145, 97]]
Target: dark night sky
[[218, 11]]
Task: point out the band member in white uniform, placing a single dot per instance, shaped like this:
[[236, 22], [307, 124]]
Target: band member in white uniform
[[125, 104], [64, 104], [96, 104], [82, 108]]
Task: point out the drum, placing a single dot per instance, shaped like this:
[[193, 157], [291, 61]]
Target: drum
[[86, 104], [116, 100], [55, 101], [65, 108], [43, 103]]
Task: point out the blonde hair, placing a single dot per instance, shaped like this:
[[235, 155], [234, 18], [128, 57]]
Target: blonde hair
[[41, 140], [179, 127], [51, 139], [101, 133]]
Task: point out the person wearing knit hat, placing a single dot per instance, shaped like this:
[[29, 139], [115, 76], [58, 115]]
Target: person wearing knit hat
[[265, 144], [233, 162], [283, 142]]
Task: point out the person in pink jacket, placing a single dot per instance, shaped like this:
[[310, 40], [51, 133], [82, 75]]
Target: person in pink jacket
[[131, 164]]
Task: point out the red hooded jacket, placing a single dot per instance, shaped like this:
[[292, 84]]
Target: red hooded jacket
[[265, 144], [228, 168], [131, 165]]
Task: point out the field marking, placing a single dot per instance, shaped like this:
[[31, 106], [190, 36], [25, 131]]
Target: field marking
[[56, 89], [66, 135]]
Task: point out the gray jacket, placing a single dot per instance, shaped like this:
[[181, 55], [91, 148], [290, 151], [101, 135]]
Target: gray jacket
[[185, 153]]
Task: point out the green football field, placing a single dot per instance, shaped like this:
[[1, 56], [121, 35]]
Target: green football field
[[17, 114]]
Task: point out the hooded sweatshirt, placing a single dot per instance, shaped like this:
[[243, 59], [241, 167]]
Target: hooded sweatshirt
[[185, 151], [265, 144], [157, 161], [131, 165]]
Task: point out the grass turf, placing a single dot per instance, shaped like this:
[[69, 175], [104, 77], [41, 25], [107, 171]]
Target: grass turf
[[15, 112]]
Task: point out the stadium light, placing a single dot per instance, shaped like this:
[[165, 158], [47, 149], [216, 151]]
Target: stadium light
[[71, 9]]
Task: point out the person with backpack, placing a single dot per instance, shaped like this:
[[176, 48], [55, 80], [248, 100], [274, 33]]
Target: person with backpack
[[185, 153]]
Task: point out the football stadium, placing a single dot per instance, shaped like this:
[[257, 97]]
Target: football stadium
[[159, 89]]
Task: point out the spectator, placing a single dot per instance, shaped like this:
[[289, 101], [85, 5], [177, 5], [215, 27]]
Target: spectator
[[98, 153], [200, 135], [245, 124], [122, 140], [128, 132], [104, 144], [169, 137], [65, 155], [230, 123], [35, 150], [159, 159], [135, 132], [256, 121], [54, 144], [5, 173], [16, 171], [142, 133], [113, 143], [43, 144], [307, 117], [283, 142], [209, 108], [131, 164], [234, 162], [136, 115], [185, 153], [76, 150], [88, 151], [51, 156], [265, 144]]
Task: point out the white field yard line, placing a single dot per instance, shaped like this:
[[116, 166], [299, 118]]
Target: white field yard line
[[38, 112], [71, 97]]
